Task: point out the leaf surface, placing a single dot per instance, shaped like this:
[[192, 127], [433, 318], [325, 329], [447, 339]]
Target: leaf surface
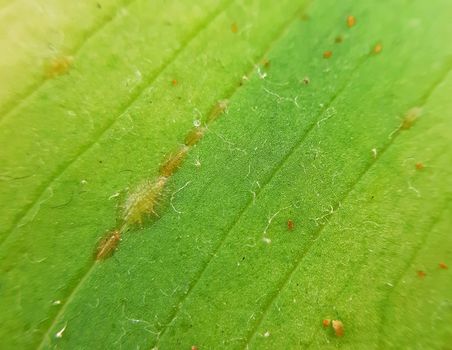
[[354, 149]]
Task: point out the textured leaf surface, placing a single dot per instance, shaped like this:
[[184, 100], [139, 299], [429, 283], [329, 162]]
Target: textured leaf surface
[[324, 142]]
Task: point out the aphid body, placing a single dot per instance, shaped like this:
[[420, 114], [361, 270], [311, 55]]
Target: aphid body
[[410, 118], [217, 110], [143, 201], [108, 245], [338, 327], [351, 21], [58, 66], [194, 136], [173, 162]]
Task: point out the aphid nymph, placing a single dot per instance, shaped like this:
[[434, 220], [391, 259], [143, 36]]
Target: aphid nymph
[[108, 245], [173, 161], [143, 201]]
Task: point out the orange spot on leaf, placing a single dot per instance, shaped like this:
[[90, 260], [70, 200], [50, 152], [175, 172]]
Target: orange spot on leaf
[[351, 21], [419, 166], [421, 274], [234, 28], [443, 266], [290, 225], [327, 54], [338, 327], [326, 322], [377, 48]]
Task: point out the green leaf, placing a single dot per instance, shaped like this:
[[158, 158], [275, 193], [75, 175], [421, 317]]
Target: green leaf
[[353, 149]]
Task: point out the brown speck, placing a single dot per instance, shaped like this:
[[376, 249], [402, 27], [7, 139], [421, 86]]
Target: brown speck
[[326, 322], [304, 17], [174, 82], [290, 225], [58, 66], [338, 327], [306, 81], [419, 166], [327, 54], [266, 63], [410, 118], [351, 21], [234, 28], [194, 347], [377, 48], [338, 39], [421, 274], [442, 265]]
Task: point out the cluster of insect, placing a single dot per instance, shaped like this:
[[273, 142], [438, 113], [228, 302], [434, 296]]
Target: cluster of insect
[[142, 202], [351, 22]]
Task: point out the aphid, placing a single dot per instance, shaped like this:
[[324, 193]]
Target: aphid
[[174, 82], [143, 201], [194, 136], [410, 118], [290, 225], [217, 110], [351, 21], [419, 166], [377, 48], [173, 162], [326, 322], [327, 54], [234, 27], [58, 66], [108, 245], [306, 81], [421, 274], [338, 327], [443, 266]]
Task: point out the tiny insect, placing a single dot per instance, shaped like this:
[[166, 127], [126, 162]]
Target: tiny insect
[[143, 201], [327, 54], [377, 48], [338, 39], [219, 108], [338, 327], [421, 274], [290, 225], [108, 245], [443, 266], [194, 136], [306, 81], [419, 166], [58, 66], [173, 161], [410, 118], [351, 21]]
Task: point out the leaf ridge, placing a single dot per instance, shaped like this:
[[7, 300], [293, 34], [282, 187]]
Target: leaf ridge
[[108, 126]]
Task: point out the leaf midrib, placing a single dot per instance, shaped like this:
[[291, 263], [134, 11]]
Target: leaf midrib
[[62, 169]]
